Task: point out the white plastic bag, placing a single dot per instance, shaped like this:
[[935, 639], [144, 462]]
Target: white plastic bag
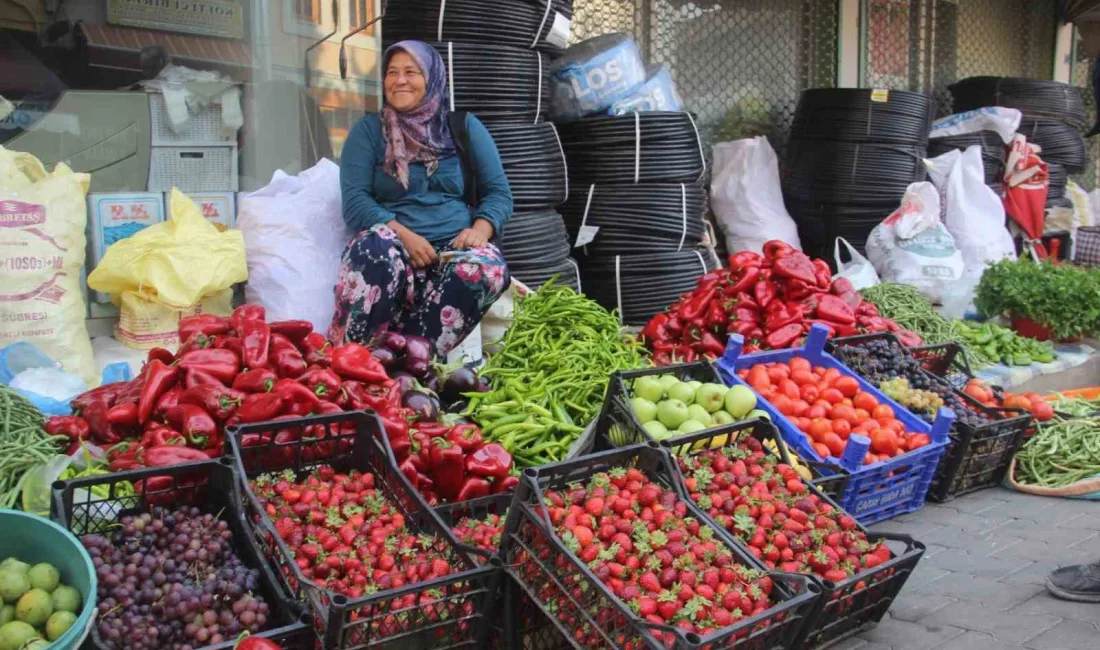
[[859, 271], [294, 236], [912, 246], [1003, 120], [746, 197]]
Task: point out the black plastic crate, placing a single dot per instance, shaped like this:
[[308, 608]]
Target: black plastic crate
[[581, 605], [846, 608], [209, 485], [445, 612], [617, 419], [977, 457], [297, 636], [946, 360]]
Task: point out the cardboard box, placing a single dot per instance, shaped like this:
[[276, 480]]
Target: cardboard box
[[113, 216], [219, 207]]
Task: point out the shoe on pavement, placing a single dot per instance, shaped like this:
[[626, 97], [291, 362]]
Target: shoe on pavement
[[1079, 583]]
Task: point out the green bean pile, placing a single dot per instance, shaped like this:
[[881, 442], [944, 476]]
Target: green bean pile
[[1062, 452], [24, 444], [906, 306], [549, 377]]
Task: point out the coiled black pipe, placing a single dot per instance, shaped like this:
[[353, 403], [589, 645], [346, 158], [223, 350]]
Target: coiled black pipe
[[1034, 97], [1061, 143], [534, 163], [643, 285], [863, 115], [516, 23], [653, 147], [851, 174], [637, 218]]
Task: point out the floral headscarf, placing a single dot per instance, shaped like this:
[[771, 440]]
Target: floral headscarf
[[420, 133]]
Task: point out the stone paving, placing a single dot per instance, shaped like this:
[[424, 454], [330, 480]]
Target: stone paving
[[980, 583]]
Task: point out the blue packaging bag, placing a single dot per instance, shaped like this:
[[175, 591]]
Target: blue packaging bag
[[658, 93], [594, 74], [20, 356]]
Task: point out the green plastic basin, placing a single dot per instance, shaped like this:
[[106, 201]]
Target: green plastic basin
[[33, 539]]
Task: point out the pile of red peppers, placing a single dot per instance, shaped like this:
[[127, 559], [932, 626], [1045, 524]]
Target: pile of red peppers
[[453, 463], [241, 370], [772, 300]]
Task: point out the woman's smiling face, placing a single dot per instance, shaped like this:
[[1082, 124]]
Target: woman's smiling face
[[405, 84]]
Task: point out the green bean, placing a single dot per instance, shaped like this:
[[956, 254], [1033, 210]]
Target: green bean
[[1062, 452], [24, 444]]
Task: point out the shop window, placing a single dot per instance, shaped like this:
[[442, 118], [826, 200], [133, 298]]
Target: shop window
[[308, 11], [312, 18]]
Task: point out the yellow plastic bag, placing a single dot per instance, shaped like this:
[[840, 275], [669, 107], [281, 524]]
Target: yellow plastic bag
[[147, 324], [42, 220], [177, 263]]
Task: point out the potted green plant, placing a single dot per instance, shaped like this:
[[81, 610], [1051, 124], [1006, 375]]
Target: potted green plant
[[1043, 300]]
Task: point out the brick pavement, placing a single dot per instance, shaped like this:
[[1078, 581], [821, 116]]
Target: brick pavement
[[980, 583]]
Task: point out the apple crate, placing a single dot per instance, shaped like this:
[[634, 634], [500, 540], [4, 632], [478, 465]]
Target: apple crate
[[848, 607], [619, 426], [874, 492], [587, 611]]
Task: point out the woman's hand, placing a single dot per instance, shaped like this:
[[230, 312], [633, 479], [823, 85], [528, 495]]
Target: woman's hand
[[421, 253], [476, 236]]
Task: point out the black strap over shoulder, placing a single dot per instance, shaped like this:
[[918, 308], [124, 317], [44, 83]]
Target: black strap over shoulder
[[456, 120]]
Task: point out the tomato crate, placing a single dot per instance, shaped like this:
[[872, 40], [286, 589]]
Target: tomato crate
[[977, 455], [618, 426], [96, 505], [448, 611], [874, 492], [588, 612], [847, 607], [520, 624]]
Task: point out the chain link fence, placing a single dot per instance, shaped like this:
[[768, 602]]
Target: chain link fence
[[1082, 78]]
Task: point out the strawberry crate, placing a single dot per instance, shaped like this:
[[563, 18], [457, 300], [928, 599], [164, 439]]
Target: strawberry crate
[[849, 606], [979, 451], [874, 492], [96, 505], [618, 425], [520, 624], [447, 611], [587, 610]]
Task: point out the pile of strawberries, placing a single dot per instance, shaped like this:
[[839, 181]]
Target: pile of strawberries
[[765, 504], [484, 533], [638, 539]]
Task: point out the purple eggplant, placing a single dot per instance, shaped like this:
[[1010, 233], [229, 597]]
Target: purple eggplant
[[422, 404], [463, 380], [419, 347], [395, 341], [431, 381], [406, 381], [417, 367], [385, 356]]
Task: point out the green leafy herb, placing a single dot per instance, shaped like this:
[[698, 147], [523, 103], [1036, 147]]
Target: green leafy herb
[[1062, 298]]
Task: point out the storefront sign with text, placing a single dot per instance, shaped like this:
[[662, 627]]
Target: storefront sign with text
[[206, 17]]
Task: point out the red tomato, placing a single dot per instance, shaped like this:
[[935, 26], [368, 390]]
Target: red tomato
[[819, 427], [801, 407], [758, 375], [783, 404], [808, 392], [978, 393], [834, 443], [803, 377], [882, 411], [821, 449], [778, 372], [803, 424], [917, 440], [831, 375], [848, 386], [1043, 411], [870, 459], [832, 396], [864, 427], [841, 412], [895, 425], [823, 404], [884, 442], [790, 389], [817, 411], [842, 428], [798, 363], [865, 401], [862, 415], [1017, 402]]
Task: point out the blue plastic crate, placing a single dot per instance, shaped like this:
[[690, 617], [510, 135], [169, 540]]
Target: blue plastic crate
[[874, 492]]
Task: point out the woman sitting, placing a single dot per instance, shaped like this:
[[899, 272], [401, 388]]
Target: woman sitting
[[422, 262]]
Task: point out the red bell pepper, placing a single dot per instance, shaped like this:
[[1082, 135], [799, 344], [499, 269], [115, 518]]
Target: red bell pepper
[[246, 313], [105, 394], [195, 377], [823, 273], [259, 407], [73, 427], [353, 361], [832, 308], [170, 455], [798, 290], [167, 402], [219, 401], [409, 470], [280, 342], [317, 350], [841, 286], [324, 383], [223, 364], [699, 303], [255, 339], [784, 337], [197, 426], [474, 487], [466, 436], [795, 266], [420, 449], [288, 363], [741, 327], [297, 399], [781, 318], [159, 379], [158, 435], [764, 292], [506, 484], [123, 456], [747, 277], [710, 346], [447, 468], [201, 342], [776, 248], [716, 316], [256, 380], [166, 356], [655, 330], [490, 461], [295, 330], [909, 339], [829, 326], [205, 324], [123, 415], [745, 258]]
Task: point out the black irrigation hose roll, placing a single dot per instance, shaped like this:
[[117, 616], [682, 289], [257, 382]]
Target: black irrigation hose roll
[[1035, 98], [534, 277], [994, 151], [863, 115], [515, 23], [534, 163], [498, 83], [1060, 142], [636, 218], [652, 147], [851, 174], [1059, 202], [643, 285], [534, 238], [1059, 176]]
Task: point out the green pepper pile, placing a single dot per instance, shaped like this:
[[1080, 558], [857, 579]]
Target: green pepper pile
[[549, 377], [1004, 344], [1063, 451]]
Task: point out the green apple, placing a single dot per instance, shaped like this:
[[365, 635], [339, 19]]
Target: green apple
[[672, 413], [682, 391], [667, 381], [739, 401], [649, 388], [694, 384], [690, 426], [699, 414], [757, 413], [722, 417], [711, 397], [656, 430], [644, 409]]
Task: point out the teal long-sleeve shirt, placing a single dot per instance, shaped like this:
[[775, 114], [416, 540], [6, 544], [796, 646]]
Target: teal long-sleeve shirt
[[433, 207]]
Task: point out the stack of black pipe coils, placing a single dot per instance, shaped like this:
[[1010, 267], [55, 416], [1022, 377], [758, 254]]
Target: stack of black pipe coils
[[636, 209], [1053, 114], [496, 53], [994, 153], [850, 156]]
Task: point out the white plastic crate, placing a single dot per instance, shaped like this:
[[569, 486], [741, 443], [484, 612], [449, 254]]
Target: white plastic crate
[[202, 129], [193, 169]]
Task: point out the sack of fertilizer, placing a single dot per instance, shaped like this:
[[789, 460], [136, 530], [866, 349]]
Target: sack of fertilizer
[[658, 93], [592, 75]]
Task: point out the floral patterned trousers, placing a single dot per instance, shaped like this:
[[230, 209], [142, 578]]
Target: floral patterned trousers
[[378, 289]]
